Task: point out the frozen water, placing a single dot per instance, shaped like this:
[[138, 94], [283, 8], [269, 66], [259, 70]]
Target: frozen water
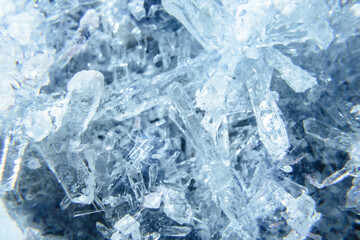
[[175, 231], [298, 79], [176, 206], [193, 119], [127, 225], [152, 200]]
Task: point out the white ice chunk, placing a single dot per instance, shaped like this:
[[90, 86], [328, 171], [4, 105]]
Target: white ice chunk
[[137, 9], [251, 21], [6, 8], [90, 20], [36, 69], [128, 225], [38, 125], [152, 200], [117, 236], [136, 181]]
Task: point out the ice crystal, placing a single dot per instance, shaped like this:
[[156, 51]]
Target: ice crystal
[[193, 119]]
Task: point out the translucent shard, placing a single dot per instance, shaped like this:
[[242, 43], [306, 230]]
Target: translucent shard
[[153, 236], [38, 125], [103, 230], [353, 196], [333, 178], [36, 69], [90, 20], [271, 127], [152, 200], [176, 206], [73, 167], [297, 78], [11, 158], [85, 90], [137, 9], [128, 225], [87, 26], [136, 181], [110, 141], [175, 231], [300, 212], [153, 172], [350, 113], [331, 136], [222, 142]]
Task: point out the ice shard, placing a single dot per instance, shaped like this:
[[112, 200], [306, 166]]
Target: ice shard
[[271, 127], [71, 167], [192, 119], [87, 26], [223, 185]]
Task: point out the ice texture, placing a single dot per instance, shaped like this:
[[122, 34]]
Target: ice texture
[[128, 225], [191, 119], [152, 200]]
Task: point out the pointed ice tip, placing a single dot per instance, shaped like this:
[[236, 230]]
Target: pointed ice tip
[[90, 18]]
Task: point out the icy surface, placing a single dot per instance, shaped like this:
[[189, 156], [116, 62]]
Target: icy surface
[[192, 119]]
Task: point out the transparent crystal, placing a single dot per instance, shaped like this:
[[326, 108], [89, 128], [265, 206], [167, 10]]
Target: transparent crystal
[[152, 200], [128, 225], [183, 119]]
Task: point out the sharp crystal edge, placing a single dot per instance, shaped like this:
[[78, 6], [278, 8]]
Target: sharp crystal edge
[[192, 119]]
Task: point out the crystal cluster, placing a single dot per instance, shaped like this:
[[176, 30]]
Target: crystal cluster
[[191, 119]]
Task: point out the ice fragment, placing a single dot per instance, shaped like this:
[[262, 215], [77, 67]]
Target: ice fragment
[[136, 8], [176, 206], [128, 225], [83, 98], [152, 200], [175, 231], [298, 79]]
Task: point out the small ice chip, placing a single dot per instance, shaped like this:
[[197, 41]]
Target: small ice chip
[[297, 78], [127, 225], [38, 125], [33, 163], [152, 200], [137, 9], [91, 19]]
